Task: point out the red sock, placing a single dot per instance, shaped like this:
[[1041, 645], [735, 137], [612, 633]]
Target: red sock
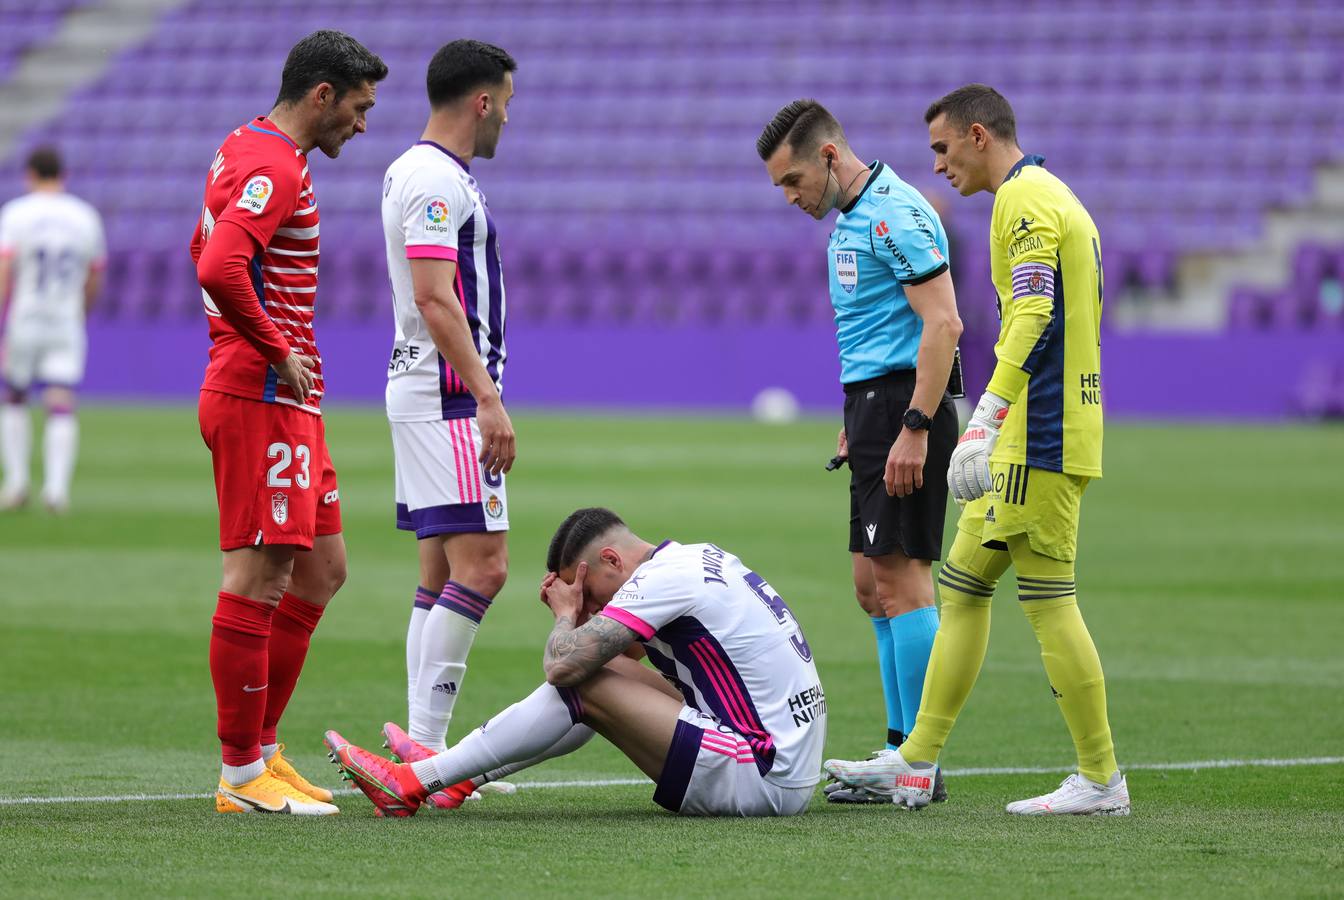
[[238, 640], [291, 630]]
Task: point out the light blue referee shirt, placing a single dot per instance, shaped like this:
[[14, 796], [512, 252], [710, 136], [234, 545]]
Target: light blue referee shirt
[[886, 238]]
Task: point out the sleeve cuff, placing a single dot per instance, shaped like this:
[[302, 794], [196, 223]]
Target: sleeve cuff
[[629, 620], [1008, 381], [431, 251], [927, 276]]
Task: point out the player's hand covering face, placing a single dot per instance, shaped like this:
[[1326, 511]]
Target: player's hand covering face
[[344, 118], [566, 598]]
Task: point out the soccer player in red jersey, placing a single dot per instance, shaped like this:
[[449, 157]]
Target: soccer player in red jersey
[[256, 252]]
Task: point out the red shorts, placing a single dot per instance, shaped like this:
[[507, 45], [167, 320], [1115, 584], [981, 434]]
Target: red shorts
[[273, 476]]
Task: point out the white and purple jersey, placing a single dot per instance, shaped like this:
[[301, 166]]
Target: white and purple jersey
[[55, 239], [730, 644], [433, 209]]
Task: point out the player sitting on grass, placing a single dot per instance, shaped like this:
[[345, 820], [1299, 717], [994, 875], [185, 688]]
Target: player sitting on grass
[[734, 725]]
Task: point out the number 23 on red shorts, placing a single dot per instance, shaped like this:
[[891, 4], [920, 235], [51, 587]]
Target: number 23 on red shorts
[[273, 476]]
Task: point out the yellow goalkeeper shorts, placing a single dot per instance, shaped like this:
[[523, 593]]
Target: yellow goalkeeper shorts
[[1041, 504]]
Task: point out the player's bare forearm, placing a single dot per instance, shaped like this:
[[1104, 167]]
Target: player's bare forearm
[[448, 327], [6, 271], [935, 302], [432, 283], [575, 654], [92, 286]]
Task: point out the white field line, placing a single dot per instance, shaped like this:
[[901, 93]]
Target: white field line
[[617, 782]]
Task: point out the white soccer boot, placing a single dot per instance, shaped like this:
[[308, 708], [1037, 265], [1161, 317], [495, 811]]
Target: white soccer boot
[[888, 775], [1078, 796], [838, 793]]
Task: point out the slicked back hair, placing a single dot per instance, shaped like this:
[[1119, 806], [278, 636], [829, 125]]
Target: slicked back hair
[[461, 66], [976, 103], [802, 125], [328, 56], [45, 163], [576, 533]]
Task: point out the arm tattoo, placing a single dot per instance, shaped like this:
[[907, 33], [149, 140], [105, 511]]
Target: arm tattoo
[[573, 654]]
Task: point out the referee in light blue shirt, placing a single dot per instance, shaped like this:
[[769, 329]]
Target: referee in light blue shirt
[[897, 326]]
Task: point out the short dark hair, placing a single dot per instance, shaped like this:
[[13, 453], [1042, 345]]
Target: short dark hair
[[45, 162], [976, 103], [576, 533], [460, 66], [801, 125], [328, 56]]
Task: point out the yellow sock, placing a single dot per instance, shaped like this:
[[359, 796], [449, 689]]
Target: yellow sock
[[1071, 662], [965, 587]]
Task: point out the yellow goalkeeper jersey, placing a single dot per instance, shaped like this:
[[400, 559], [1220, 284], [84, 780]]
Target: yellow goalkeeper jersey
[[1045, 257]]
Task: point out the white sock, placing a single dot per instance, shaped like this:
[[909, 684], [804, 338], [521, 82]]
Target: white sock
[[577, 736], [424, 602], [60, 446], [14, 446], [268, 751], [236, 775], [445, 641], [526, 729]]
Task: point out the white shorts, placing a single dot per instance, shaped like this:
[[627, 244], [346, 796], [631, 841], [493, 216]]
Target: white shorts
[[51, 358], [710, 771], [442, 488]]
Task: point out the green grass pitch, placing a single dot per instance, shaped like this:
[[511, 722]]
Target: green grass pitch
[[1211, 574]]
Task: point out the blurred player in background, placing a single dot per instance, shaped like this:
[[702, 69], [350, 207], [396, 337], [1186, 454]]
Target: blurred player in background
[[897, 326], [734, 724], [1022, 464], [52, 256], [452, 441], [256, 252]]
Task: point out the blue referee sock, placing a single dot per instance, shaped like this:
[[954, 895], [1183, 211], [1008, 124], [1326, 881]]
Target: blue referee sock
[[911, 642], [891, 688]]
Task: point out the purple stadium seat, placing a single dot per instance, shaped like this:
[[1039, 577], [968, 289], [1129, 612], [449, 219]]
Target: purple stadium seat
[[641, 195]]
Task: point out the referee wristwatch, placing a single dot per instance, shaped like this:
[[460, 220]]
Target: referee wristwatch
[[915, 420]]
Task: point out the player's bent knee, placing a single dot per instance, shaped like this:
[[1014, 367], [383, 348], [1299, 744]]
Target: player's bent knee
[[59, 400], [868, 602], [485, 577]]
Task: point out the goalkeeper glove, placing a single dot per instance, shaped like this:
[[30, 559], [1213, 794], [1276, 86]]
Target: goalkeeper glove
[[968, 474]]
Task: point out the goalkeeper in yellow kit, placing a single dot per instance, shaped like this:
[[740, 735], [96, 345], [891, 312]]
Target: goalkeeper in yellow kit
[[1022, 464]]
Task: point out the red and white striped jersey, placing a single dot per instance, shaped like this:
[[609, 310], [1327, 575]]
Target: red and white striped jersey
[[260, 181]]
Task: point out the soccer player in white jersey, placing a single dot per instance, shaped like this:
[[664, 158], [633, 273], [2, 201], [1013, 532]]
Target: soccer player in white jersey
[[732, 721], [52, 254], [452, 440]]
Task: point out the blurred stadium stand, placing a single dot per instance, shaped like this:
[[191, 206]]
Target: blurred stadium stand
[[1203, 135]]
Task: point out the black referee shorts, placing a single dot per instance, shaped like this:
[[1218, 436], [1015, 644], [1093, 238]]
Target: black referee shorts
[[878, 524]]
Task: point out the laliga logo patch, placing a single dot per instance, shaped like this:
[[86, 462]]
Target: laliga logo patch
[[280, 507], [255, 194], [494, 506], [847, 270], [436, 216]]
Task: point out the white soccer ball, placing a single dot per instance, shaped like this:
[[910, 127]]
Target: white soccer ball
[[775, 406]]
